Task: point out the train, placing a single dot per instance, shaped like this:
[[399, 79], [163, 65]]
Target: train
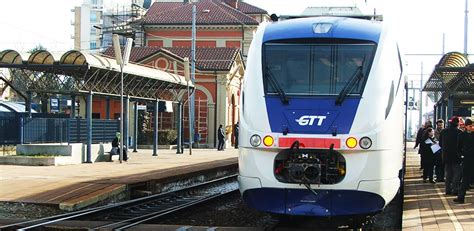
[[322, 118]]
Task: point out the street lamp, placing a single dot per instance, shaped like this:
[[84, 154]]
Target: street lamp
[[121, 61], [193, 72]]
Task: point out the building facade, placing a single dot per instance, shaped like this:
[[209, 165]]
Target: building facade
[[87, 20], [224, 31], [94, 23], [219, 72], [219, 23]]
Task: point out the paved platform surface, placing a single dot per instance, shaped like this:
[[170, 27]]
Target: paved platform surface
[[426, 207], [71, 184]]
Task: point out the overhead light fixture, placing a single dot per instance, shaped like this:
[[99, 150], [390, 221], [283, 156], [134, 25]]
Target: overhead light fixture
[[467, 101]]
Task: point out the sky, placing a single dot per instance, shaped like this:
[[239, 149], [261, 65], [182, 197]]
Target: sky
[[419, 24]]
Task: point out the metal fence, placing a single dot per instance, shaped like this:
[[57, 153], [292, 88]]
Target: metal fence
[[102, 130], [19, 129], [44, 130], [9, 129]]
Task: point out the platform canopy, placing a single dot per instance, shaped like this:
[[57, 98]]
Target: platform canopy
[[76, 72], [453, 76]]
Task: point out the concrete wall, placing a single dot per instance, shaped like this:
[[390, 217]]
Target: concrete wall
[[73, 153], [69, 154], [52, 148], [98, 151]]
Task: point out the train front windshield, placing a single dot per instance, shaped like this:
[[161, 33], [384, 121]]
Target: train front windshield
[[316, 69]]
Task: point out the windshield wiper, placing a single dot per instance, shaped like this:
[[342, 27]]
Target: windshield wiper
[[276, 86], [353, 81]]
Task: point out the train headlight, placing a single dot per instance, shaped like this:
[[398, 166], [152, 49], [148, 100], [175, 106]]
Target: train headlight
[[255, 140], [351, 142], [268, 141], [365, 142]]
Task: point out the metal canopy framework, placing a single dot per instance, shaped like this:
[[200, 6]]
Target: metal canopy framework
[[453, 76], [75, 72]]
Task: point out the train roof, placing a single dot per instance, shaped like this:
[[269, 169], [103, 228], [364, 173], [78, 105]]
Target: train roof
[[341, 27]]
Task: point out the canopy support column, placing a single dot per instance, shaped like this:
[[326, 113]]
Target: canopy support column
[[89, 127], [438, 111], [135, 126], [155, 130], [28, 103], [126, 126], [73, 106], [179, 140], [443, 110], [450, 107], [107, 108]]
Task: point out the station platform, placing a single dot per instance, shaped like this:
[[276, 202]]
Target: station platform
[[426, 207], [73, 187]]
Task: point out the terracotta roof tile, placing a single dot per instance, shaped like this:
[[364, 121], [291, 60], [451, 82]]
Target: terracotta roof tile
[[207, 59], [250, 9], [211, 59], [137, 53], [178, 13]]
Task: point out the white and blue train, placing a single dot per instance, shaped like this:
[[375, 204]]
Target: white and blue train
[[322, 118]]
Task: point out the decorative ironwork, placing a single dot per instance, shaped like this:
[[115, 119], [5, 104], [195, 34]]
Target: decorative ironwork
[[453, 77], [78, 73]]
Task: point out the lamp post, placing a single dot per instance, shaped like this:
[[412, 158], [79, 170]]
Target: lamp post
[[121, 61], [193, 73], [193, 66], [466, 13]]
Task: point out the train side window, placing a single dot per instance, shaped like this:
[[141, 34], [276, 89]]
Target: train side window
[[401, 69]]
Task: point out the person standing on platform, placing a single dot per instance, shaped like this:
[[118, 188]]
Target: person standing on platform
[[439, 166], [419, 134], [236, 135], [466, 149], [462, 127], [427, 140], [451, 158], [220, 137], [116, 148]]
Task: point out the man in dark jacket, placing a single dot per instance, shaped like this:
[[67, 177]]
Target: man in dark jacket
[[466, 148], [439, 166], [451, 158], [419, 134]]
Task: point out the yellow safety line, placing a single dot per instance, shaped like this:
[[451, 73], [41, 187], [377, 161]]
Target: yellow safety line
[[452, 217]]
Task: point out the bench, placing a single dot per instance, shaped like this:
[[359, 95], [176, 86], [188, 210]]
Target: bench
[[109, 157]]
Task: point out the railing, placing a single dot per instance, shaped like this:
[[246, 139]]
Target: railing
[[44, 130], [9, 129], [102, 130], [19, 129]]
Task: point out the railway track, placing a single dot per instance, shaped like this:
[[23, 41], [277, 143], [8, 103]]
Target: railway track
[[127, 214]]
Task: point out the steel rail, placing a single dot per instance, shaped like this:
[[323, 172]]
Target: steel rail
[[57, 218], [176, 209]]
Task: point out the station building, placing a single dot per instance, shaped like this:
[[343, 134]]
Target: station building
[[224, 31]]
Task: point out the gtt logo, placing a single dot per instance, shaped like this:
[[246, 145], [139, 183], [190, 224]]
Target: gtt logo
[[309, 120]]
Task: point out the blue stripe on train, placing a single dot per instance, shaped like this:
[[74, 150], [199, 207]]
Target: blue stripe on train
[[303, 202], [311, 115], [347, 28]]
